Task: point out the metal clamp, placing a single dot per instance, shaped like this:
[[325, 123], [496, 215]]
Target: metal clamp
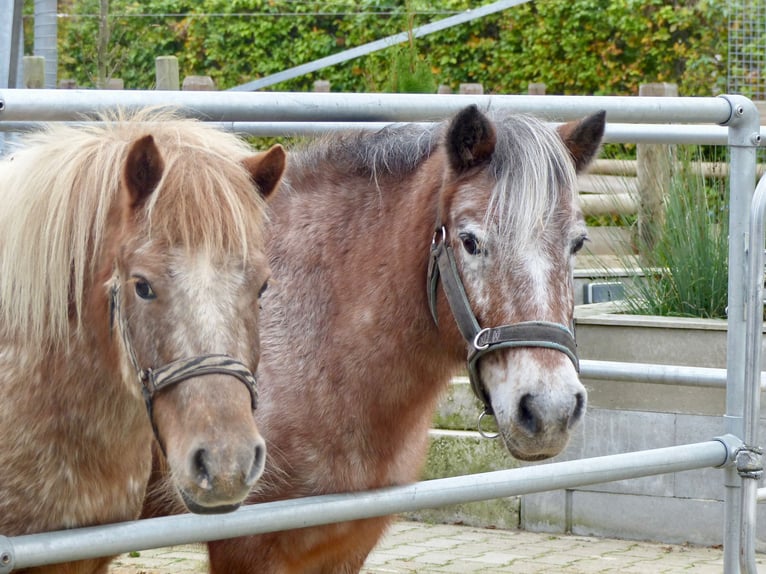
[[749, 461]]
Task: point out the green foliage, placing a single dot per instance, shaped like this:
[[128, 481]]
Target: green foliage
[[409, 74], [686, 270], [574, 47]]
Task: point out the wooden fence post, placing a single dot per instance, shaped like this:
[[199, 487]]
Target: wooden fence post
[[536, 89], [34, 72], [654, 170], [166, 68], [198, 84], [472, 89]]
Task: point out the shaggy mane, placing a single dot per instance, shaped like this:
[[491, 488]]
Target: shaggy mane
[[531, 167], [391, 151], [59, 186], [534, 172]]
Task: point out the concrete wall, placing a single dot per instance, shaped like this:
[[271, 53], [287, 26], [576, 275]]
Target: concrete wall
[[622, 417]]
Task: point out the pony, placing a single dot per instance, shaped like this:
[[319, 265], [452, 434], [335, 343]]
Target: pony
[[132, 256], [398, 257]]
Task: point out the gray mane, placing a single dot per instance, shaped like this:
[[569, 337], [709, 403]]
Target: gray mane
[[395, 150], [532, 169]]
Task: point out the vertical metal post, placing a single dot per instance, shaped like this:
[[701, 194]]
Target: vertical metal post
[[744, 128], [749, 461], [46, 34]]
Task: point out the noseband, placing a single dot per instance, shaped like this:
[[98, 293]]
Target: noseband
[[485, 340], [154, 380]]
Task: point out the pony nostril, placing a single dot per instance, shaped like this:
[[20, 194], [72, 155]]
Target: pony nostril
[[258, 463], [201, 471], [578, 410], [526, 414]]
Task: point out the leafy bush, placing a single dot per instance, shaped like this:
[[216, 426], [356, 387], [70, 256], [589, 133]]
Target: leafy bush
[[575, 47]]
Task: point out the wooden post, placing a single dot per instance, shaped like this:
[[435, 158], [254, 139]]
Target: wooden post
[[536, 89], [34, 72], [322, 86], [198, 84], [444, 89], [471, 89], [654, 170], [167, 77]]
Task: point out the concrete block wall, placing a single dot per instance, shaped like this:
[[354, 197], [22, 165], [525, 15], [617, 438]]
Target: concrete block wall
[[673, 508]]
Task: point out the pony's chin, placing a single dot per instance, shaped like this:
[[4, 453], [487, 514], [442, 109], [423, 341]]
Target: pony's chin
[[527, 454], [200, 509]]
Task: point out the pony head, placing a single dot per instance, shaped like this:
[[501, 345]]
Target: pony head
[[191, 265], [509, 227], [142, 250]]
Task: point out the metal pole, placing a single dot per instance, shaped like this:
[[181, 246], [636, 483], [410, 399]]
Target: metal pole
[[657, 374], [70, 105], [46, 34], [749, 463], [744, 137], [63, 546], [615, 133]]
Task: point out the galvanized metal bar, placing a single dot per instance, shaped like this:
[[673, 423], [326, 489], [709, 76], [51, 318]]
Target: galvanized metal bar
[[615, 133], [47, 548], [72, 105], [744, 137], [377, 45], [657, 374], [749, 463]]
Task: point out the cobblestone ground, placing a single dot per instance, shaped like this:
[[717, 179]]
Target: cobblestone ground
[[412, 547]]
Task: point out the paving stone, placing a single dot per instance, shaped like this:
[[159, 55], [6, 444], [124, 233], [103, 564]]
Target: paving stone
[[447, 549]]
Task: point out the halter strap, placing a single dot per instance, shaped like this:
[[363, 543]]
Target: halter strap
[[154, 380], [545, 334]]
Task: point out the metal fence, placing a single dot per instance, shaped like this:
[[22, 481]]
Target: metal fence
[[685, 119]]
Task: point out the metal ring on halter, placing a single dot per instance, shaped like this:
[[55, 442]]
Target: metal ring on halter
[[436, 232], [482, 432], [476, 340]]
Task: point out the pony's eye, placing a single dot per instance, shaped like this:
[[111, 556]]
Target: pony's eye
[[144, 289], [578, 243], [470, 243], [263, 288]]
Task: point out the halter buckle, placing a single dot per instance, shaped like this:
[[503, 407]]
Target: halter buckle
[[476, 345]]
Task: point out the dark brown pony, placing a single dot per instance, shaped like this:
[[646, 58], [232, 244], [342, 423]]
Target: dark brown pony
[[131, 258], [354, 360]]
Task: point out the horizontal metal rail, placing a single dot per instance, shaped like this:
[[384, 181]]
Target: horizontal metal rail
[[615, 133], [657, 374], [648, 373], [69, 105], [63, 546]]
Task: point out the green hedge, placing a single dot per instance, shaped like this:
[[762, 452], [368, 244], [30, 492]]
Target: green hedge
[[575, 47]]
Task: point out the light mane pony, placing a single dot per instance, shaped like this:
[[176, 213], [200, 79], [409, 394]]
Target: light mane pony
[[131, 263]]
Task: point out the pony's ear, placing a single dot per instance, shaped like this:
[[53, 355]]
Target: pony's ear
[[266, 168], [583, 138], [470, 139], [143, 170]]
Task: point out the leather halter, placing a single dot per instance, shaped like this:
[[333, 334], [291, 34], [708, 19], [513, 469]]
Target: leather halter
[[485, 340], [154, 380]]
